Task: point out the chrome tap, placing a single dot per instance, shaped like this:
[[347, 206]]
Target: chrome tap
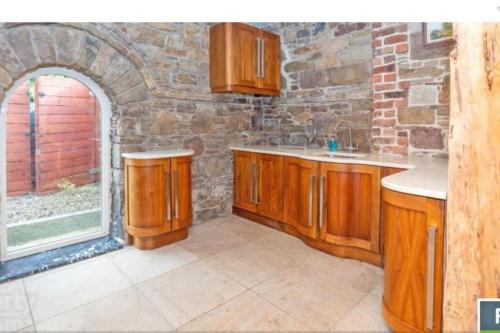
[[350, 148], [311, 132]]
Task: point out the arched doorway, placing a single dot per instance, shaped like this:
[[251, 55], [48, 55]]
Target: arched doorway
[[70, 151]]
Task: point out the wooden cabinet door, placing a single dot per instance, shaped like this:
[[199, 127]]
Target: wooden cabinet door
[[271, 75], [146, 197], [413, 274], [244, 181], [351, 205], [270, 185], [180, 190], [244, 55], [300, 195]]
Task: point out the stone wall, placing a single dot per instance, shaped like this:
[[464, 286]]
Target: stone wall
[[410, 92], [326, 76], [156, 76]]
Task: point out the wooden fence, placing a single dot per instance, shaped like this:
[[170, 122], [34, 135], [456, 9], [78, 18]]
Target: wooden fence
[[65, 137]]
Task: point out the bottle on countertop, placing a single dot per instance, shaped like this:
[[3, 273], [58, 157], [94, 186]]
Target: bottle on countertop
[[332, 143]]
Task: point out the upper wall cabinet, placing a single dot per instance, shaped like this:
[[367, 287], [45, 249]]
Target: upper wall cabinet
[[244, 59]]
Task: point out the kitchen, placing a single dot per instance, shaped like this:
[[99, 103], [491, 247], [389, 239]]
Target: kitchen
[[274, 176]]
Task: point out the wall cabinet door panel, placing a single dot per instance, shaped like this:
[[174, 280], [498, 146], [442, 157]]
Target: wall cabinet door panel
[[300, 191], [271, 62], [351, 205], [244, 54]]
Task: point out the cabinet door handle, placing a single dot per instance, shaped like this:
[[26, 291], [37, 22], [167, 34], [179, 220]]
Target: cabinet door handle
[[311, 188], [258, 56], [176, 194], [167, 191], [431, 252], [262, 62], [257, 185], [320, 194], [250, 182]]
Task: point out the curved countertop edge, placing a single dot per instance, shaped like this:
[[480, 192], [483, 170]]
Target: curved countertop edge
[[425, 176], [155, 154]]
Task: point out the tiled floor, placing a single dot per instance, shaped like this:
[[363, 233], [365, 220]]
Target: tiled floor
[[228, 275]]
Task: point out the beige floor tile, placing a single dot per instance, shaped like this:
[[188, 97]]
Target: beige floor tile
[[284, 245], [189, 292], [245, 229], [378, 291], [55, 292], [125, 311], [310, 296], [366, 316], [208, 239], [139, 265], [14, 308], [361, 276], [249, 263], [245, 313], [29, 329]]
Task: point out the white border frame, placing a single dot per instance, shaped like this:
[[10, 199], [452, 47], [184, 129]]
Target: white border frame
[[105, 105]]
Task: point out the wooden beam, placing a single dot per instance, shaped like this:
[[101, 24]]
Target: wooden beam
[[473, 212]]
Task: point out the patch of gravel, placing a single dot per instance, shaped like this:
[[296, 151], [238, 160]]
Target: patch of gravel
[[31, 206]]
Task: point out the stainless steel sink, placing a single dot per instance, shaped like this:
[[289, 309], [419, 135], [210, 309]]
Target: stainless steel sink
[[340, 154]]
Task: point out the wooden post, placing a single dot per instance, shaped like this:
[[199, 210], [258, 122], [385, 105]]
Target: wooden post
[[473, 207]]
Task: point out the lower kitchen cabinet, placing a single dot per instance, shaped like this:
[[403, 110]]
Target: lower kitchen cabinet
[[349, 207], [413, 262], [333, 207], [301, 195], [158, 208], [258, 184]]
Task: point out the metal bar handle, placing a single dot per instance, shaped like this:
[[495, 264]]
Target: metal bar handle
[[321, 182], [250, 181], [176, 193], [431, 251], [167, 190], [262, 62], [311, 187], [258, 56], [257, 185]]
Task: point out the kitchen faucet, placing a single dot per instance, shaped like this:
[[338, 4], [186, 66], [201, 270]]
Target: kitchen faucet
[[350, 148], [311, 131]]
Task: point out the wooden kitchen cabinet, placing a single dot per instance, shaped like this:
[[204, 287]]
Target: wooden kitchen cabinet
[[350, 205], [413, 262], [158, 206], [258, 183], [243, 181], [244, 59], [300, 195]]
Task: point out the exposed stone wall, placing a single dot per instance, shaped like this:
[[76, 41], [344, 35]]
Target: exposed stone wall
[[410, 92], [326, 76], [156, 76]]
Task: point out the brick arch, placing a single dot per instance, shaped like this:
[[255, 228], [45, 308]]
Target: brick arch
[[110, 62]]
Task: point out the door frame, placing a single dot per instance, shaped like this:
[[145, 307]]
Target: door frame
[[105, 105]]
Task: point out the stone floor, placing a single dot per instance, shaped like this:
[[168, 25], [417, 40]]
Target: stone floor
[[229, 275]]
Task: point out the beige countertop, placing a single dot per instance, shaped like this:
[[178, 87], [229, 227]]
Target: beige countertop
[[425, 176], [154, 154]]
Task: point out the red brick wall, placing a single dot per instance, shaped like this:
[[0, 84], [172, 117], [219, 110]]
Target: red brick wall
[[410, 92]]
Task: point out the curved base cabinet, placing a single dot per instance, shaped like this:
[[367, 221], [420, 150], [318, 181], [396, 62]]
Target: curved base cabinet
[[158, 207], [413, 262]]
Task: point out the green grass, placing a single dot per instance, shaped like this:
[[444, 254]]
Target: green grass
[[24, 235]]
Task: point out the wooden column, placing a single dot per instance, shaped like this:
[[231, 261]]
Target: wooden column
[[473, 218]]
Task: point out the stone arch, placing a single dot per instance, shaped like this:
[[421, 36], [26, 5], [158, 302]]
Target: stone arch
[[108, 60]]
